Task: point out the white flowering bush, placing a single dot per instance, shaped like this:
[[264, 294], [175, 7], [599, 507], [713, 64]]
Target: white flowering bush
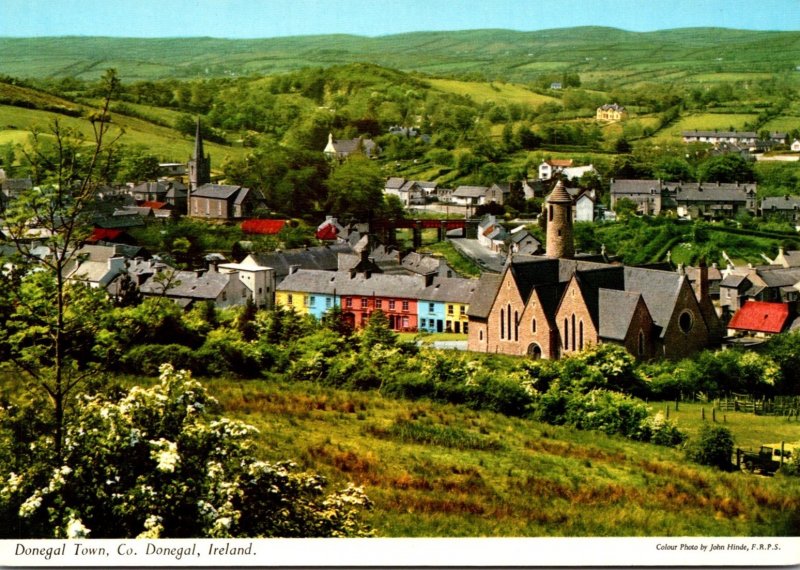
[[154, 463]]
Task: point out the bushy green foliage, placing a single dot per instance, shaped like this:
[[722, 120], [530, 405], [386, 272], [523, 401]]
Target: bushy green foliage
[[714, 447], [157, 463]]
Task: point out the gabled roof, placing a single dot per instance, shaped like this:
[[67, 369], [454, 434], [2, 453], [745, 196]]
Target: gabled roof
[[759, 316], [394, 183], [734, 280], [482, 300], [153, 187]]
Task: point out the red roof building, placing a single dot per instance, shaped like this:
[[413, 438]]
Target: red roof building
[[103, 234], [761, 317], [263, 227], [153, 205]]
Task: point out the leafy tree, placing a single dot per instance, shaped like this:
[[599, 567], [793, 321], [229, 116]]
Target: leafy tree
[[377, 331], [625, 208], [725, 168], [356, 189], [714, 447], [138, 165], [68, 174], [159, 464]]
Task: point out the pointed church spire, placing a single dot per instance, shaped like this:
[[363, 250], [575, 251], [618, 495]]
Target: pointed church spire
[[200, 163]]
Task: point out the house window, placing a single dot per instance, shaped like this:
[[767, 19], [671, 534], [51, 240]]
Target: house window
[[327, 302], [348, 303], [480, 335], [450, 309], [566, 334], [466, 330], [305, 300], [312, 300], [502, 325], [641, 343], [533, 326], [378, 303], [405, 322], [391, 305], [289, 299], [580, 335], [364, 302], [516, 325], [430, 307], [508, 321], [405, 305]]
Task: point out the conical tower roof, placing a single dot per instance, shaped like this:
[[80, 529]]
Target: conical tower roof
[[559, 195]]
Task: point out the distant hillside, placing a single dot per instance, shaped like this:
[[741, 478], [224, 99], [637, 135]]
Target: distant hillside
[[613, 55]]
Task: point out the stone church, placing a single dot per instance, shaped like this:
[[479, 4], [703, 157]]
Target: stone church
[[559, 304]]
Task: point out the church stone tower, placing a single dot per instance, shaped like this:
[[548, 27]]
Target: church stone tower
[[558, 209], [200, 163]]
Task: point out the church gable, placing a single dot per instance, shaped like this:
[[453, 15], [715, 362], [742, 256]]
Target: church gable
[[574, 322], [504, 318], [686, 331]]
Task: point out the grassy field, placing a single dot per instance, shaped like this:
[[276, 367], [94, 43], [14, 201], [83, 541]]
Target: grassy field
[[706, 122], [439, 470], [166, 143], [483, 92]]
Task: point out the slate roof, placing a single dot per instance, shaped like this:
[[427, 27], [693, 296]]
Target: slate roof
[[779, 276], [720, 134], [713, 192], [322, 257], [470, 191], [733, 280], [482, 300], [616, 310], [780, 203], [450, 290], [395, 183], [592, 280], [343, 283], [759, 316], [635, 186], [205, 285], [422, 264], [217, 191], [658, 288]]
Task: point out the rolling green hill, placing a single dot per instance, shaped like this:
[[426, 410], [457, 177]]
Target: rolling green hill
[[614, 55]]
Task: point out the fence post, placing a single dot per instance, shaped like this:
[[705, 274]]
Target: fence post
[[783, 443], [667, 410], [738, 458], [703, 413], [676, 404], [714, 415]]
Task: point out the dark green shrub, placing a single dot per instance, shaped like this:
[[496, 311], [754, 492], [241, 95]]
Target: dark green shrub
[[661, 431], [714, 447], [147, 358]]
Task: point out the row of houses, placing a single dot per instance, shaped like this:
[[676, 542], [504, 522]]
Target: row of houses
[[686, 199]]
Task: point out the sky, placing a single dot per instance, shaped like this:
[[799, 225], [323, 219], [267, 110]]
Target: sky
[[274, 18]]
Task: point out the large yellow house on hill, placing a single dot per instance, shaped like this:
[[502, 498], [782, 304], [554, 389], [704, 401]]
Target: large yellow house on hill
[[611, 112]]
